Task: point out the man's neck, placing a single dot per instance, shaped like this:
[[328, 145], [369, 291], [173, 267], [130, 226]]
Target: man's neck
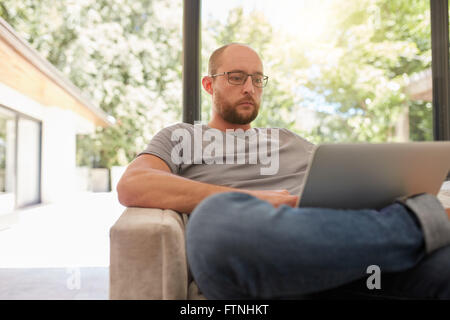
[[222, 125]]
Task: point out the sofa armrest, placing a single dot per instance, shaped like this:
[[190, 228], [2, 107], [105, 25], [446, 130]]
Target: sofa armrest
[[148, 255]]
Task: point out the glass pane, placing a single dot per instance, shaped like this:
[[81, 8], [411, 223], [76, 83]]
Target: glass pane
[[339, 70], [7, 160]]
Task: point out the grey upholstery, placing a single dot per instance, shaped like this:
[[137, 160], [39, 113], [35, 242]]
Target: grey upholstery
[[148, 256]]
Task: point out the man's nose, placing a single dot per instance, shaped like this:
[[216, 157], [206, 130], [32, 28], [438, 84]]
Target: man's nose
[[248, 85]]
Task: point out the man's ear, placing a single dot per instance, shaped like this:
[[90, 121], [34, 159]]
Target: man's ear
[[207, 84]]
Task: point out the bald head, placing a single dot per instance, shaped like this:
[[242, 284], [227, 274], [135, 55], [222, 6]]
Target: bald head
[[215, 59], [234, 105]]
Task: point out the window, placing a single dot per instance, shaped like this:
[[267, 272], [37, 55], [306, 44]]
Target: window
[[340, 71], [7, 160], [20, 160]]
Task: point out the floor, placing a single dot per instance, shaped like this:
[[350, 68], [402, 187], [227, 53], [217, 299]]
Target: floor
[[59, 251]]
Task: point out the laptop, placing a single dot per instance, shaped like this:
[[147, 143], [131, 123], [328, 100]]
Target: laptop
[[373, 176]]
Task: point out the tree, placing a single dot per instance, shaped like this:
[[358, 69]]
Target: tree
[[376, 44], [125, 54], [356, 72]]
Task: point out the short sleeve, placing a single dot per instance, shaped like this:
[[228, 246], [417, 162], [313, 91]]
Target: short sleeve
[[308, 145], [161, 145]]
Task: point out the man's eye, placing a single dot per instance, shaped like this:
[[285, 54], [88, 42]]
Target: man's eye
[[258, 80], [236, 78]]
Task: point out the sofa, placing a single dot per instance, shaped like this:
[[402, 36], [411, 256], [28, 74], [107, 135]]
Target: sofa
[[148, 257]]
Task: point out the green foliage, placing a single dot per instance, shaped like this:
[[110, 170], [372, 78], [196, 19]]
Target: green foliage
[[124, 54], [358, 71], [421, 121], [377, 44]]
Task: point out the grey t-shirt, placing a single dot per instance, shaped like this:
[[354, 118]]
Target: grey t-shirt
[[257, 159], [264, 159]]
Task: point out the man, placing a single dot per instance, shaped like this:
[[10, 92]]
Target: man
[[246, 238]]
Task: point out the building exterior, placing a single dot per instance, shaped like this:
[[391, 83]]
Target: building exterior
[[41, 112], [420, 86]]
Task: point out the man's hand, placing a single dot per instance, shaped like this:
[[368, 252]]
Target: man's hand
[[275, 197], [448, 212]]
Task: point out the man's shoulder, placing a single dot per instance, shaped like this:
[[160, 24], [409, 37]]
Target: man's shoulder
[[176, 126], [288, 134]]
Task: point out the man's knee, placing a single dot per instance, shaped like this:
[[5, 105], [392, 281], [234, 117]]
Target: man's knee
[[210, 239], [227, 202], [217, 218], [212, 222]]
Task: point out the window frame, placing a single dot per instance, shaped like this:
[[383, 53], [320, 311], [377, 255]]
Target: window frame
[[440, 69], [191, 60], [439, 50]]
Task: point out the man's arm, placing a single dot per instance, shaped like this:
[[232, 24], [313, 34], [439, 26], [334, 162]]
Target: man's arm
[[149, 183]]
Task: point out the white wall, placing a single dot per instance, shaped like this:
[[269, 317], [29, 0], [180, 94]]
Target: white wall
[[59, 129], [58, 155], [28, 164]]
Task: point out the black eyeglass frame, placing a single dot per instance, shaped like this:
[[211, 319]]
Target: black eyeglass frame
[[265, 79]]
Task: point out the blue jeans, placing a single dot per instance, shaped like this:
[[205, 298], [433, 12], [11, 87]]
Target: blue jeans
[[240, 247]]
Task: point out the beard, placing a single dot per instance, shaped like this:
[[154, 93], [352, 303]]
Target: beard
[[230, 111]]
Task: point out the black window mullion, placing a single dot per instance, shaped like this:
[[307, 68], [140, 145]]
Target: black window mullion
[[440, 69], [191, 60]]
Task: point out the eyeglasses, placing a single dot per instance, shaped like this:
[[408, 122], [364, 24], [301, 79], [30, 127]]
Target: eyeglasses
[[239, 77]]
